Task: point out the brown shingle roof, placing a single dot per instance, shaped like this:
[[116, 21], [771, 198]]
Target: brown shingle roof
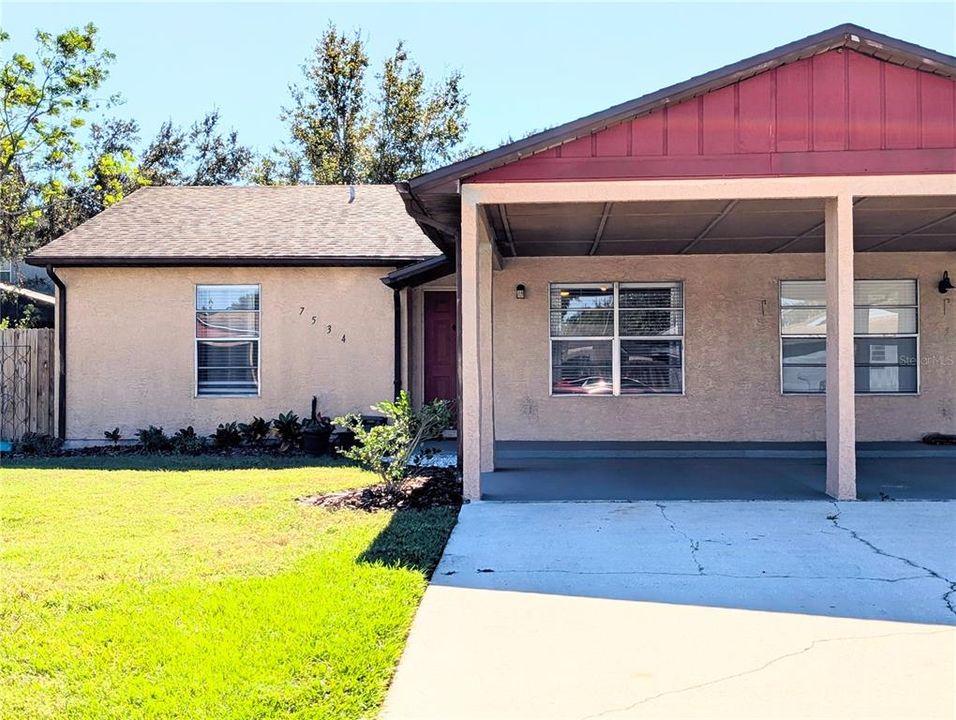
[[300, 224]]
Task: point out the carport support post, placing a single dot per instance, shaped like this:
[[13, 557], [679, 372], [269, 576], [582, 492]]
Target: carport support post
[[840, 397], [477, 447]]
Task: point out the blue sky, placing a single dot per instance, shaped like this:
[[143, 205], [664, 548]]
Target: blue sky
[[526, 66]]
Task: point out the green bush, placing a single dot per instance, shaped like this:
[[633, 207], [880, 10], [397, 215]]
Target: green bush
[[227, 436], [113, 436], [32, 443], [289, 430], [187, 442], [388, 450], [255, 432], [153, 439]]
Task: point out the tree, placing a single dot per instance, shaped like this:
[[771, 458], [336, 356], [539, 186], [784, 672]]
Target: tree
[[46, 100], [201, 155], [50, 182], [327, 118], [218, 158], [346, 135], [110, 172], [162, 160], [415, 127], [282, 166]]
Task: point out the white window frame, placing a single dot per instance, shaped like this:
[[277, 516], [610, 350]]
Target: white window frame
[[197, 340], [616, 337], [917, 335]]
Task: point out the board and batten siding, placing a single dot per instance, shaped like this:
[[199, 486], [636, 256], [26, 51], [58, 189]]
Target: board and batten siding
[[837, 113], [131, 346]]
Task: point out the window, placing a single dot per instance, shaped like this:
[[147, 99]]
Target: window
[[617, 338], [6, 271], [886, 338], [227, 340]]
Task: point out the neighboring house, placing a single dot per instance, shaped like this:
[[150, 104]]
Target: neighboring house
[[24, 290], [202, 305], [690, 265], [17, 272]]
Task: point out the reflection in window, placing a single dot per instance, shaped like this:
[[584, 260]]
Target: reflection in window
[[886, 336], [227, 340], [616, 338]]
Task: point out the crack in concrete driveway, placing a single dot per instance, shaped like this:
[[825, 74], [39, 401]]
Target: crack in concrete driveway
[[563, 611], [950, 584], [694, 545], [752, 671]]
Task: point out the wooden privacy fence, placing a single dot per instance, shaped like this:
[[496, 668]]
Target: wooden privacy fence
[[26, 382]]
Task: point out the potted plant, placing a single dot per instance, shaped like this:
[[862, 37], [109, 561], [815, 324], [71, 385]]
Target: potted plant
[[345, 438], [316, 431]]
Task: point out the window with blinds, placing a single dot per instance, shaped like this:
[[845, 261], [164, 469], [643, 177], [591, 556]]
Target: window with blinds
[[227, 340], [886, 336], [617, 338]]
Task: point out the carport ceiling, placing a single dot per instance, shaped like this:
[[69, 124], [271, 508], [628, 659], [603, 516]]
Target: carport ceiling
[[903, 224]]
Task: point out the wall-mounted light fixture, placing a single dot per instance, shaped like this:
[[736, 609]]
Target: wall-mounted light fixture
[[945, 285], [519, 291]]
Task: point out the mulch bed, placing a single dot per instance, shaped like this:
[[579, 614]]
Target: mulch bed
[[429, 488]]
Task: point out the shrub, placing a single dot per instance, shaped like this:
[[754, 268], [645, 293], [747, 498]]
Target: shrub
[[388, 450], [289, 430], [32, 443], [255, 432], [113, 436], [153, 439], [227, 436], [187, 442]]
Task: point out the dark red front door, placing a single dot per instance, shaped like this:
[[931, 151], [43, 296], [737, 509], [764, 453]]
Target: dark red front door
[[440, 346]]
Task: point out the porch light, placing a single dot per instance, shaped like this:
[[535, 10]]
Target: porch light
[[520, 291], [945, 285]]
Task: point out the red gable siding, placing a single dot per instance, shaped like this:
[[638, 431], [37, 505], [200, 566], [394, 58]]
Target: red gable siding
[[837, 113]]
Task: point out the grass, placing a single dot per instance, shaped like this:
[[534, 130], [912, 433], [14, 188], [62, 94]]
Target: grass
[[201, 592]]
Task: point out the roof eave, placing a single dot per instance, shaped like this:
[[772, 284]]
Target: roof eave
[[442, 236], [206, 261], [420, 273], [28, 293]]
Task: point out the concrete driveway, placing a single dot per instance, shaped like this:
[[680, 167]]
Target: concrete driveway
[[689, 610]]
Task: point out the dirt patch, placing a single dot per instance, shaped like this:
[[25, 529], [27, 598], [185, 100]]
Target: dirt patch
[[430, 487]]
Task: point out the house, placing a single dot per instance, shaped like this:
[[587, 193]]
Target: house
[[754, 255], [17, 272], [702, 263], [25, 292], [200, 305]]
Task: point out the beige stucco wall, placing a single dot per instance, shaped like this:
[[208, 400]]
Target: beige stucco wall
[[732, 378], [130, 349]]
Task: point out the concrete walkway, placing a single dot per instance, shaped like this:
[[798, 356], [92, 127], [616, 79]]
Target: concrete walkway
[[690, 610]]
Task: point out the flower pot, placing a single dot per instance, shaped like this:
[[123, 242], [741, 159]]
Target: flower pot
[[345, 439], [316, 442]]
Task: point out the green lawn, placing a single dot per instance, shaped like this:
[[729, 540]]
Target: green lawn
[[132, 592]]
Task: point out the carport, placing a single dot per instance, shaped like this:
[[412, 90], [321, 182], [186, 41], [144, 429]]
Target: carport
[[755, 256], [630, 472]]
